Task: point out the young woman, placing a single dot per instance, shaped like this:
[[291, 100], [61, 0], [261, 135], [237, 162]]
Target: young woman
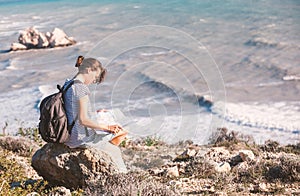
[[79, 110]]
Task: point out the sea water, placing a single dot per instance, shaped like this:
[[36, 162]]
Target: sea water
[[177, 70]]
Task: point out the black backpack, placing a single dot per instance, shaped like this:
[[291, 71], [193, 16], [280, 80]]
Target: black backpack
[[53, 125]]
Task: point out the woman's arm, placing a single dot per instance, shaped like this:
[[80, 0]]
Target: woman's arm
[[87, 122]]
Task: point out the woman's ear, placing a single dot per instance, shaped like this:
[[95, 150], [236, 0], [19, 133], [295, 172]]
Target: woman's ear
[[89, 70]]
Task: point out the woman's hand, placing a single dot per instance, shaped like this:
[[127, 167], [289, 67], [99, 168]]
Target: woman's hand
[[114, 129]]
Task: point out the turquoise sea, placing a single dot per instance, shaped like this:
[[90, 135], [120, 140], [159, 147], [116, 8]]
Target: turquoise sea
[[167, 61]]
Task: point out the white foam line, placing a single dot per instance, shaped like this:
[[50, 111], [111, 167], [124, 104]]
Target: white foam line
[[279, 115], [291, 77], [154, 53]]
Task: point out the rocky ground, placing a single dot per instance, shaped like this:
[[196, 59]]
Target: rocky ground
[[231, 165]]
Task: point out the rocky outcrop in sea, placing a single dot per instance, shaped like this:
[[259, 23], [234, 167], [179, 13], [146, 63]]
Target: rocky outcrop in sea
[[31, 38]]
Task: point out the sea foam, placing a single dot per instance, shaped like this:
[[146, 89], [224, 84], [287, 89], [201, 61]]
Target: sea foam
[[282, 116], [19, 109]]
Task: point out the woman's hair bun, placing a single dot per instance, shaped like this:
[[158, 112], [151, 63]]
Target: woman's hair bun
[[79, 61]]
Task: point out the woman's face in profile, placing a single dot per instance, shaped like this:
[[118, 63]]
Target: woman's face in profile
[[96, 77], [92, 76]]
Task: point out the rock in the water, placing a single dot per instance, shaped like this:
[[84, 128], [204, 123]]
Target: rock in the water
[[43, 41], [31, 38], [17, 46], [205, 101], [59, 38], [72, 168]]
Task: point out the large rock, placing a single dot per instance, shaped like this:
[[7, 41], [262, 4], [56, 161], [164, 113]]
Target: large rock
[[59, 38], [42, 41], [17, 46], [72, 168], [31, 38]]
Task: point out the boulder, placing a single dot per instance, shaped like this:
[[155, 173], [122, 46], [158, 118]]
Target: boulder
[[17, 46], [59, 38], [42, 41], [72, 168], [205, 101], [31, 38]]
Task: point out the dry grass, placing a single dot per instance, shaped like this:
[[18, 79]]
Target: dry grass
[[198, 168], [130, 184]]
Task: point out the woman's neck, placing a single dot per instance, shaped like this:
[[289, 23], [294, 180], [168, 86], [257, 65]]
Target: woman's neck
[[80, 77]]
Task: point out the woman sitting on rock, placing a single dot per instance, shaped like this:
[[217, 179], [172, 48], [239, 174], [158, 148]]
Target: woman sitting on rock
[[79, 110]]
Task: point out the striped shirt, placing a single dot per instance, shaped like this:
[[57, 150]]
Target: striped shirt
[[79, 134]]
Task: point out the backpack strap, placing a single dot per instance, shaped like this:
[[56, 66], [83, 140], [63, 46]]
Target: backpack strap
[[73, 123], [63, 90]]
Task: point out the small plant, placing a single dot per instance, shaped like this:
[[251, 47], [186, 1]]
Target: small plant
[[151, 141], [4, 128], [270, 146], [32, 133], [125, 142], [223, 137]]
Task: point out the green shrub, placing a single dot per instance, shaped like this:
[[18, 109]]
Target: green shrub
[[12, 177], [151, 141], [32, 133]]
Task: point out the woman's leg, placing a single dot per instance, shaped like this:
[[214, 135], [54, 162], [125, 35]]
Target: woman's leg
[[103, 144]]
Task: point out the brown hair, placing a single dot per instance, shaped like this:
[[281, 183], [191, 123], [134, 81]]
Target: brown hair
[[84, 63], [79, 61]]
